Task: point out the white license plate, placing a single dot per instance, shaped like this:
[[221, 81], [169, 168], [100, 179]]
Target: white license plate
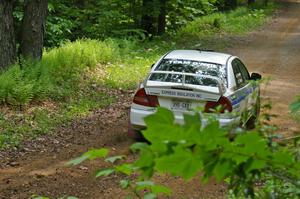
[[180, 105]]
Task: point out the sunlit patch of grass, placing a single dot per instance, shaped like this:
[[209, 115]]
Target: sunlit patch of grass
[[237, 21], [127, 75]]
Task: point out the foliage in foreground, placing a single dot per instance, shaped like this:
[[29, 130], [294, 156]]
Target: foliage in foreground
[[248, 159]]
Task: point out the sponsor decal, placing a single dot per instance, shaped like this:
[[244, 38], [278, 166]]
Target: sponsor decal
[[181, 94]]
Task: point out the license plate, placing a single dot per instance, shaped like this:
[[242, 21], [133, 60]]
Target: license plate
[[180, 105]]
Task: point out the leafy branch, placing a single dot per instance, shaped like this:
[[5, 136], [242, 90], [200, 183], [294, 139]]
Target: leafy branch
[[189, 149]]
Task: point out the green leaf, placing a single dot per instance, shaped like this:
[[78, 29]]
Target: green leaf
[[182, 163], [192, 121], [125, 184], [97, 153], [138, 146], [212, 136], [161, 189], [192, 128], [144, 184], [113, 159], [295, 106], [156, 189], [77, 161], [90, 155], [150, 196], [125, 168], [221, 169], [160, 126], [238, 158], [145, 159], [283, 158], [104, 173], [159, 147], [162, 115], [254, 165], [40, 197], [252, 143]]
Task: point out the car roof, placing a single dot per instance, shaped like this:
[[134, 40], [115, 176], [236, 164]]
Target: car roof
[[198, 55]]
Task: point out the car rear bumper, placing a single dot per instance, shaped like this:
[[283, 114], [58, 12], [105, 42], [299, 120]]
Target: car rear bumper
[[137, 119]]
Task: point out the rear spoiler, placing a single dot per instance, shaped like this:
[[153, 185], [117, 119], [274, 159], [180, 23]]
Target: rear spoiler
[[220, 83]]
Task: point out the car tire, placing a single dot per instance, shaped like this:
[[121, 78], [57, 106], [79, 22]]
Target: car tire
[[250, 124], [138, 137], [134, 134]]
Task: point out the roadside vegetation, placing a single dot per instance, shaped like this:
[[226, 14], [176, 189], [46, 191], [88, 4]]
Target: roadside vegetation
[[38, 96]]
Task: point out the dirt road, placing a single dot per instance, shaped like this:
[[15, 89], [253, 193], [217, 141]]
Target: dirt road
[[275, 52], [38, 166]]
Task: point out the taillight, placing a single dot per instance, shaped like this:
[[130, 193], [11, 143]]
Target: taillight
[[142, 98], [220, 106]]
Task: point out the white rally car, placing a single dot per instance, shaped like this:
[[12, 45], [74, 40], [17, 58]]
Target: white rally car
[[183, 80]]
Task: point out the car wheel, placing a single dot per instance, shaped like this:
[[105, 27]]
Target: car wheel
[[135, 134], [138, 137], [253, 119]]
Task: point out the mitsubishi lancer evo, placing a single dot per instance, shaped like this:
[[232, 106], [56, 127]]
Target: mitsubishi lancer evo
[[184, 80]]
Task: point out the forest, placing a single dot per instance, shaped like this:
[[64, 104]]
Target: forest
[[28, 26], [61, 61]]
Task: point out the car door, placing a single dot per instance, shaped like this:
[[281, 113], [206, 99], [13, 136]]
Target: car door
[[243, 88], [251, 97]]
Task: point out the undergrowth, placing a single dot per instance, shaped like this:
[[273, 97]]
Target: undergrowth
[[65, 74]]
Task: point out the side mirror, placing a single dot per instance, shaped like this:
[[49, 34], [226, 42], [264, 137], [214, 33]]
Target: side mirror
[[152, 65], [255, 76]]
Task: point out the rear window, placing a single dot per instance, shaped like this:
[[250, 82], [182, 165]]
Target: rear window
[[189, 66]]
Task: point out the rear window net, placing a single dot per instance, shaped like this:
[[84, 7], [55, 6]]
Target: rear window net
[[190, 67], [186, 79]]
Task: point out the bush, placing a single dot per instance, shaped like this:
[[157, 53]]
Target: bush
[[58, 75], [237, 21]]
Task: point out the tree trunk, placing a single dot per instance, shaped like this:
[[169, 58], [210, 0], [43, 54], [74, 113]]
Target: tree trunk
[[148, 19], [231, 4], [266, 2], [80, 3], [33, 28], [7, 34], [162, 17], [134, 12], [251, 2]]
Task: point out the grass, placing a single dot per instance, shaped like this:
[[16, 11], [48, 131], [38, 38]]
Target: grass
[[36, 97]]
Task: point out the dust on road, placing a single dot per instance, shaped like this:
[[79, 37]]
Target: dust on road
[[39, 166]]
